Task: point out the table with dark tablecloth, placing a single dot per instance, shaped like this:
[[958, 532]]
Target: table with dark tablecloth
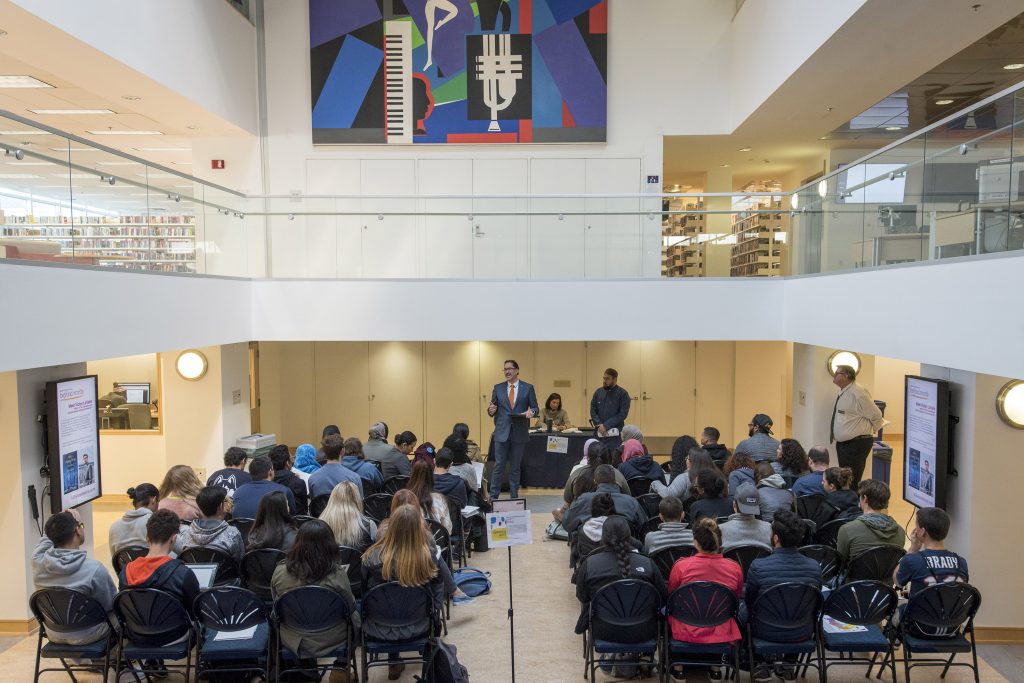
[[541, 467]]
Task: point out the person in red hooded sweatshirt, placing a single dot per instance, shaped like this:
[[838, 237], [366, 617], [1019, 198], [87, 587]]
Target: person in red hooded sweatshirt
[[158, 569]]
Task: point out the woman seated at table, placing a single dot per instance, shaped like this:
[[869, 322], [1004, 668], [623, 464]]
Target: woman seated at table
[[553, 411]]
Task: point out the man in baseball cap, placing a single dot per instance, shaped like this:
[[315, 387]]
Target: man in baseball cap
[[743, 527], [761, 445]]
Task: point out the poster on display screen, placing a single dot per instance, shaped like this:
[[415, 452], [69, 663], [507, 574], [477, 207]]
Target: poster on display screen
[[74, 441], [925, 450]]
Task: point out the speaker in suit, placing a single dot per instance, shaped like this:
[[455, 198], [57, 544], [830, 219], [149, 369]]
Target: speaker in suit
[[513, 403]]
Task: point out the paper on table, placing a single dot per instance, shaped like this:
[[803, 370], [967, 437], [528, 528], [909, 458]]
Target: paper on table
[[835, 626], [244, 634], [478, 467]]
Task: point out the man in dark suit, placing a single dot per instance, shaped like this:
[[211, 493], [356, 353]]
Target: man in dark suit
[[513, 403]]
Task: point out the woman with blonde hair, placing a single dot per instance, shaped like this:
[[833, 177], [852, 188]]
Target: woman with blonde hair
[[178, 492], [344, 515]]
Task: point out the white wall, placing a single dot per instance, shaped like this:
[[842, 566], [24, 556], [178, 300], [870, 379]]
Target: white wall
[[203, 50]]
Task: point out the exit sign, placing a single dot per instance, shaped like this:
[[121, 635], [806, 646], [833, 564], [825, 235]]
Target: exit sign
[[216, 163]]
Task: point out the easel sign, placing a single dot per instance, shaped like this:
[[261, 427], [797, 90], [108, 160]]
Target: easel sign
[[508, 524]]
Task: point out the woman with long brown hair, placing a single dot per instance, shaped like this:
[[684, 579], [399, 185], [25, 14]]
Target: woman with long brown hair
[[178, 492], [433, 504]]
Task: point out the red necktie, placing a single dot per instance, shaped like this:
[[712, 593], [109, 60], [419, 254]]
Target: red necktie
[[511, 395]]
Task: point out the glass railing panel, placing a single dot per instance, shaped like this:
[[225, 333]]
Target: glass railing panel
[[613, 237], [557, 237], [35, 196], [501, 238], [232, 240]]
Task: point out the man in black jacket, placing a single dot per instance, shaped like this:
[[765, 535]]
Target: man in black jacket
[[284, 476], [709, 443], [448, 484], [625, 505], [609, 409], [158, 569]]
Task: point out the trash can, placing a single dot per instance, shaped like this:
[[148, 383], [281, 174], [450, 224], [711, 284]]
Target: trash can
[[881, 461]]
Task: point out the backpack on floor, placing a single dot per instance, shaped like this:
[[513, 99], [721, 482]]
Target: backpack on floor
[[472, 581], [556, 532], [443, 665]]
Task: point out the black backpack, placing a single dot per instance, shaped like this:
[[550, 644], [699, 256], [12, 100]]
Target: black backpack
[[443, 665]]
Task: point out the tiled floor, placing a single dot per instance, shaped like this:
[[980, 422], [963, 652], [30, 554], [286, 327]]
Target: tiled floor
[[545, 610]]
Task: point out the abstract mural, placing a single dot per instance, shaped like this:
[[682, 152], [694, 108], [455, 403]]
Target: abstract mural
[[455, 71]]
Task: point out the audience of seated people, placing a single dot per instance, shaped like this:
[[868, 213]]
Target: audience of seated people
[[273, 526], [332, 472], [60, 562], [344, 515], [625, 504], [811, 483], [461, 430], [775, 495], [709, 444], [248, 496], [281, 458], [677, 462], [589, 536], [158, 569], [744, 526], [712, 499], [329, 430], [760, 445], [790, 460], [872, 528], [433, 504], [393, 460], [233, 475], [178, 492], [210, 530], [305, 463], [356, 461], [927, 562], [462, 463], [739, 470], [446, 483], [636, 462], [581, 476], [130, 530], [619, 561], [682, 486], [841, 501], [672, 531]]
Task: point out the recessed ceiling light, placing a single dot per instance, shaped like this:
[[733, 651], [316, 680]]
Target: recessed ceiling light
[[894, 127], [22, 82], [745, 149], [723, 165], [162, 149], [1013, 67], [943, 103], [51, 112], [3, 32], [124, 132], [130, 98], [23, 132], [192, 127]]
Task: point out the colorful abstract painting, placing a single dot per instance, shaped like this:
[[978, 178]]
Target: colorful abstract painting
[[454, 71]]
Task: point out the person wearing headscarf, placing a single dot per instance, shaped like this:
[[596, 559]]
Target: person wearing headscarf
[[636, 462], [305, 462]]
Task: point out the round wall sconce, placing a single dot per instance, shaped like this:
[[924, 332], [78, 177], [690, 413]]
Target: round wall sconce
[[794, 201], [822, 188], [1010, 404], [843, 358], [191, 365]]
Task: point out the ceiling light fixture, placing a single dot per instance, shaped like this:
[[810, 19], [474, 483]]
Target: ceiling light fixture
[[69, 112], [111, 131], [943, 103], [894, 127], [1013, 67], [130, 98], [843, 358], [23, 132], [822, 188], [745, 149], [22, 82], [191, 365], [192, 127], [794, 201], [1010, 404], [723, 165]]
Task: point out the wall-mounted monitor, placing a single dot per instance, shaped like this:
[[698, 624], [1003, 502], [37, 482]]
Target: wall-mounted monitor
[[926, 441], [135, 392], [73, 439]]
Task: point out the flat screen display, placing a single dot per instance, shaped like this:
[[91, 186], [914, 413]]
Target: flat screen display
[[926, 441], [74, 441], [135, 392]]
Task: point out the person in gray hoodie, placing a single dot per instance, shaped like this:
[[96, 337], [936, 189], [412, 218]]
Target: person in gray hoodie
[[743, 527], [772, 488], [60, 562], [210, 530], [872, 528], [130, 530]]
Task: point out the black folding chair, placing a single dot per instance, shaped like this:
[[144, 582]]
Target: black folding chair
[[783, 622], [624, 624], [744, 555], [638, 486], [225, 610], [938, 620], [62, 610], [244, 526], [377, 506], [126, 555], [650, 525], [353, 561], [379, 465], [701, 604], [868, 607], [460, 548], [155, 630], [828, 560], [318, 504], [810, 529], [808, 507], [227, 569], [649, 503], [877, 563], [257, 569], [398, 621], [394, 484], [318, 611], [444, 541], [828, 533], [666, 558]]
